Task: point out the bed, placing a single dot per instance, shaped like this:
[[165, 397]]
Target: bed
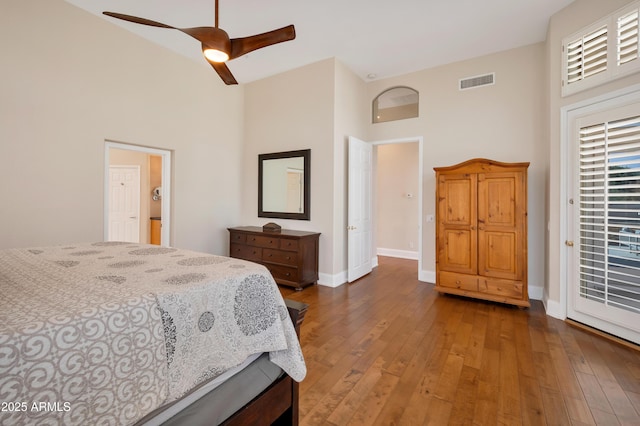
[[133, 334]]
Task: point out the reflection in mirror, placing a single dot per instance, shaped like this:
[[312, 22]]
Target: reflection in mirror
[[282, 180], [396, 103], [283, 185]]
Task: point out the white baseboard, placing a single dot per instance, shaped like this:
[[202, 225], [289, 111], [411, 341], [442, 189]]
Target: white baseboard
[[554, 309], [403, 254], [427, 276], [335, 280], [535, 293]]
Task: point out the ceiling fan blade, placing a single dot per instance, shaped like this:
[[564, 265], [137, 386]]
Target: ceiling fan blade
[[224, 72], [244, 45], [137, 20]]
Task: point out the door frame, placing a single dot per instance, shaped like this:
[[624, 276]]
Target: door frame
[[568, 115], [165, 234], [424, 276]]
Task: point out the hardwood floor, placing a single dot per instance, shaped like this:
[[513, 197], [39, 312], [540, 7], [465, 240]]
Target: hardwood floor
[[388, 350]]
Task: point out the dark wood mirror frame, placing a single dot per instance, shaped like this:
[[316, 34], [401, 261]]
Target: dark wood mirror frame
[[306, 199]]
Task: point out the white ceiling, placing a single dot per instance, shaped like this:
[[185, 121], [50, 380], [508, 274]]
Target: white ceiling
[[371, 37]]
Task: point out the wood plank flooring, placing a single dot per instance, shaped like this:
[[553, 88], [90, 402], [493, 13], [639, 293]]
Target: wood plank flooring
[[388, 350]]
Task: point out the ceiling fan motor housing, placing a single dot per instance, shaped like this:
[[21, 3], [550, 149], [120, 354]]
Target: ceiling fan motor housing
[[212, 38]]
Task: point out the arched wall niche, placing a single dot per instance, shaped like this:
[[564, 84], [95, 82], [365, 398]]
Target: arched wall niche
[[395, 103]]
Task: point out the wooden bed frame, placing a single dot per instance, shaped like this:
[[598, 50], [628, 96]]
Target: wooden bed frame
[[278, 404]]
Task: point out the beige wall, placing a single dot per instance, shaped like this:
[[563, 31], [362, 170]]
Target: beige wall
[[500, 122], [317, 107], [396, 213], [351, 115], [70, 81], [579, 14], [284, 113]]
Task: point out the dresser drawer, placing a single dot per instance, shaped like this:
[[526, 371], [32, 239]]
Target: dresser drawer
[[241, 251], [459, 281], [279, 256], [283, 272], [504, 288], [289, 244], [263, 241], [237, 237]]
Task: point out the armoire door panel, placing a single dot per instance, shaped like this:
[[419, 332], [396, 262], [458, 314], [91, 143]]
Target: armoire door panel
[[457, 204], [458, 251], [498, 254], [457, 219], [497, 199]]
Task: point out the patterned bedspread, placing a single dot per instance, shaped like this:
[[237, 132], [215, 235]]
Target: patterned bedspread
[[104, 333]]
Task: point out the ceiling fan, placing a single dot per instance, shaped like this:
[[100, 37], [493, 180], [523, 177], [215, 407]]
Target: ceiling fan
[[217, 47]]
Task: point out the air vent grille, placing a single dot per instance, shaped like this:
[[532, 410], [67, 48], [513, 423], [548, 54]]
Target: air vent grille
[[477, 81]]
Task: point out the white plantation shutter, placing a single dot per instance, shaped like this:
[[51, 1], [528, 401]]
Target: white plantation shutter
[[602, 52], [587, 56], [628, 38], [610, 213]]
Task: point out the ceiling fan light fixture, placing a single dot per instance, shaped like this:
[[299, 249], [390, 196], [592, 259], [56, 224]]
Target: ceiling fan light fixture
[[215, 55], [217, 47]]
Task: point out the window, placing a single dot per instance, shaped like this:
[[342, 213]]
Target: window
[[602, 52]]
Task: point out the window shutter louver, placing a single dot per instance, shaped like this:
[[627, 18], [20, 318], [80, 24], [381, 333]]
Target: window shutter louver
[[628, 38], [587, 56], [609, 213]]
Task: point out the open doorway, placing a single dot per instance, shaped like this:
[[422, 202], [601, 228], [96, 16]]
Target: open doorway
[[151, 199], [397, 199], [362, 239], [396, 181]]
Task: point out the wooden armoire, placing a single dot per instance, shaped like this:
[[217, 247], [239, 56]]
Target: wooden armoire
[[481, 230]]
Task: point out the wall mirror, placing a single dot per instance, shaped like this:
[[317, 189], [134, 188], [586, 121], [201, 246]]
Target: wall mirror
[[396, 103], [284, 185]]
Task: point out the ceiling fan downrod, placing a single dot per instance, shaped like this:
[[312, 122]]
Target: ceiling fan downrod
[[216, 14]]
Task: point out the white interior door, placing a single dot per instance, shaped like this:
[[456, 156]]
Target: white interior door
[[359, 228], [295, 187], [604, 221], [124, 203], [165, 194]]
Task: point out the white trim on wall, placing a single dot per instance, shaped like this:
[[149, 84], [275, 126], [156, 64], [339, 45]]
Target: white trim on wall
[[335, 280], [402, 254]]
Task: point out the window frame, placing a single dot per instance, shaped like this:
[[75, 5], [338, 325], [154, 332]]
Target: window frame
[[613, 70]]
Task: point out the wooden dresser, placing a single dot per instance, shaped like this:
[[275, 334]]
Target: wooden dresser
[[481, 230], [291, 256]]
